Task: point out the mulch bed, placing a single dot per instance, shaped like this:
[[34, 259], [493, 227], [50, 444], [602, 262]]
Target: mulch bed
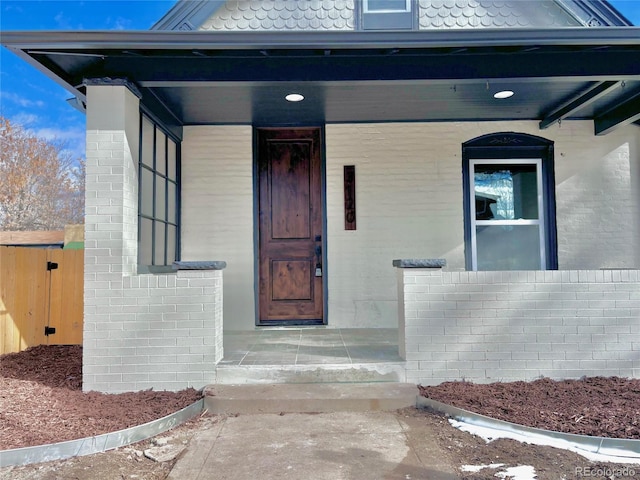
[[596, 406], [41, 400]]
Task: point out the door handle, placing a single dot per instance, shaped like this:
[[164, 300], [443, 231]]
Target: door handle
[[318, 256]]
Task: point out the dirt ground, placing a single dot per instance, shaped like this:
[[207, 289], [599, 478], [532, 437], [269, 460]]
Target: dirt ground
[[48, 379]]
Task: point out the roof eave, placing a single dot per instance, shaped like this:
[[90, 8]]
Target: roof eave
[[178, 40]]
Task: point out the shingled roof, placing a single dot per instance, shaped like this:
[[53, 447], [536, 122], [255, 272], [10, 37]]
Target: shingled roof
[[337, 15]]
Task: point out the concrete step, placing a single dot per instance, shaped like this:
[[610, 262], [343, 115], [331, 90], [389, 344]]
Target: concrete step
[[309, 397], [317, 373]]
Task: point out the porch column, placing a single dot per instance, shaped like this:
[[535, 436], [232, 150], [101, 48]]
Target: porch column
[[111, 228], [408, 288], [160, 330], [111, 221]]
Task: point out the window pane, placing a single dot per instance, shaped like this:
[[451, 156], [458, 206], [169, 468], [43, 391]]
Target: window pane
[[172, 203], [147, 142], [508, 247], [171, 244], [160, 243], [161, 190], [161, 159], [158, 173], [171, 159], [146, 205], [387, 6], [506, 192], [145, 241]]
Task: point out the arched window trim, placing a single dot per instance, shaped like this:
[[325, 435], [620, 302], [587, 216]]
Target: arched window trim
[[512, 145]]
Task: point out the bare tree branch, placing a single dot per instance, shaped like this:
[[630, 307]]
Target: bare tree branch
[[41, 186]]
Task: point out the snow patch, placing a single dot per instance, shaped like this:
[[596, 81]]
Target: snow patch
[[477, 468], [489, 434], [521, 472]]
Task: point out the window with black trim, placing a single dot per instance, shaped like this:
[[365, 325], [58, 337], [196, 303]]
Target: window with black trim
[[159, 185], [388, 14], [509, 203]]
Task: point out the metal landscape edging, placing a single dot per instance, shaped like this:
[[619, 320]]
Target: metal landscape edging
[[614, 447], [98, 443]]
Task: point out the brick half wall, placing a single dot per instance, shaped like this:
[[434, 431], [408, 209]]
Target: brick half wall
[[156, 331], [506, 326]]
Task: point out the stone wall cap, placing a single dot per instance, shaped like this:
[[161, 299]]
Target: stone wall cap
[[420, 263], [200, 265]]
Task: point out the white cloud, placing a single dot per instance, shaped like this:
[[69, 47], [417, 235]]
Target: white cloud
[[20, 100], [62, 21], [59, 134], [73, 139], [25, 119], [13, 8]]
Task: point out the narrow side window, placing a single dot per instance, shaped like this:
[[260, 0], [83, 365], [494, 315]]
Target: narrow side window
[[159, 196]]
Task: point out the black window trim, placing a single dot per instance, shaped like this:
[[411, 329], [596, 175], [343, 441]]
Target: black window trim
[[168, 135], [508, 145]]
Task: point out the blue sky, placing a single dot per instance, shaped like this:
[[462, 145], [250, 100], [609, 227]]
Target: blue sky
[[29, 98]]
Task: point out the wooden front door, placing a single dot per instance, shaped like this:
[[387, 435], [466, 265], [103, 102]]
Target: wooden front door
[[290, 224]]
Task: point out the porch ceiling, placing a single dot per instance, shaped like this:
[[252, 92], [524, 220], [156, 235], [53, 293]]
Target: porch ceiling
[[191, 78]]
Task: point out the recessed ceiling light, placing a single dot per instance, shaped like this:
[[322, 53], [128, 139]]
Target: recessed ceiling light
[[294, 97], [503, 94]]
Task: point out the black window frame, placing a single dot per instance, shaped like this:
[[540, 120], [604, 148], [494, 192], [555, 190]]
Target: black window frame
[[505, 146], [157, 176]]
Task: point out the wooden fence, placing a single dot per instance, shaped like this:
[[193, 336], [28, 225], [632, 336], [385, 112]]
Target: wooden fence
[[41, 297]]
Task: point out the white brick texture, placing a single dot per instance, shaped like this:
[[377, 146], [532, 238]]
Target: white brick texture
[[409, 205], [506, 326], [155, 331], [217, 211], [140, 331]]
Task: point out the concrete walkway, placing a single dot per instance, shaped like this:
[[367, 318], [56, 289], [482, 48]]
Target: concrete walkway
[[331, 446]]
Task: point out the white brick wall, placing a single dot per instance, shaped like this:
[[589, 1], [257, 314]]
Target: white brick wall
[[597, 198], [145, 331], [409, 205], [505, 326], [217, 211], [140, 331], [156, 331]]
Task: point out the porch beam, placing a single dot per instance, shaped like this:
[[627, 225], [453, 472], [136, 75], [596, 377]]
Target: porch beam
[[612, 65], [596, 91], [624, 113]]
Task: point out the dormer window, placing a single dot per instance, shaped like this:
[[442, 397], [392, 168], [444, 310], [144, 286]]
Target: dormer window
[[388, 14], [387, 6]]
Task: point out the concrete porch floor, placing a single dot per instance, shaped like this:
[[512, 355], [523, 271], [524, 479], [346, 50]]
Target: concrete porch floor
[[311, 355]]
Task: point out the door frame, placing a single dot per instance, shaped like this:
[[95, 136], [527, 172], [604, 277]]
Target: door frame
[[256, 227]]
